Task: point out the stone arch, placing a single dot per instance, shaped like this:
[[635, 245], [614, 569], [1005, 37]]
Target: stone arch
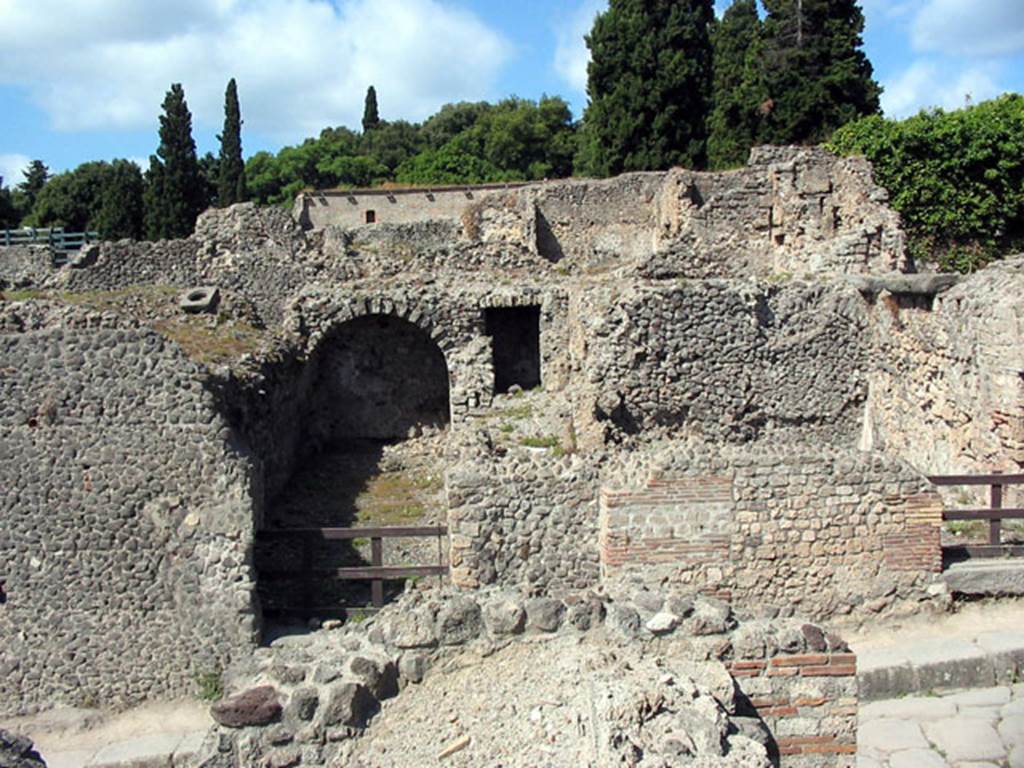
[[379, 375]]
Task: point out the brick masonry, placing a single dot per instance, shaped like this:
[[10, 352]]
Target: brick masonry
[[808, 701], [822, 534]]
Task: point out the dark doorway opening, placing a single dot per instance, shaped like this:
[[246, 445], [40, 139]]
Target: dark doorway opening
[[371, 217], [515, 338], [369, 454]]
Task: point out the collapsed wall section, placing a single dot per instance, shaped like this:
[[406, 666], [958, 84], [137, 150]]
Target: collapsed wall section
[[126, 515]]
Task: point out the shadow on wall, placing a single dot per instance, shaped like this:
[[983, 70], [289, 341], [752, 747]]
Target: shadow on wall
[[378, 377], [374, 383]]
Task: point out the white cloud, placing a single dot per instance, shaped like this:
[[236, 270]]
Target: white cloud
[[969, 27], [926, 84], [571, 52], [301, 65], [11, 167]]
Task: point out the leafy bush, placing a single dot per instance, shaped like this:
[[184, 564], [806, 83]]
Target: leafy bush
[[957, 178]]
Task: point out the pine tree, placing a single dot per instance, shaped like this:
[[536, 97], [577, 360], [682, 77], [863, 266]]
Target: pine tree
[[371, 117], [121, 202], [738, 93], [36, 176], [231, 181], [649, 85], [179, 198], [816, 74]]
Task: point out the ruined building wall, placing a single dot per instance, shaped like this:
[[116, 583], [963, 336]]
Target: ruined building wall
[[947, 392], [126, 515], [318, 210], [811, 531], [791, 211], [726, 361]]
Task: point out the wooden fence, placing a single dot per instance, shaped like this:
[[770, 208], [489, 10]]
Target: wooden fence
[[60, 242], [376, 573], [995, 513]]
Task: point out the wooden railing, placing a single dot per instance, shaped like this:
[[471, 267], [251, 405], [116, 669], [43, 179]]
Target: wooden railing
[[59, 241], [376, 573], [995, 513]]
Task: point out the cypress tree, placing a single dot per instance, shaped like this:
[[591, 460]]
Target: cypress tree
[[371, 117], [816, 74], [738, 92], [178, 199], [231, 181], [154, 213], [649, 86]]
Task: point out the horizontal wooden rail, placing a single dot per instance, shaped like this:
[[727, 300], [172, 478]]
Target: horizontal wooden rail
[[993, 479], [983, 514], [995, 513], [376, 573], [333, 534], [364, 573]]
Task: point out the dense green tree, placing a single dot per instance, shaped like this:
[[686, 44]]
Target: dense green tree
[[10, 217], [371, 117], [154, 216], [957, 178], [35, 178], [457, 162], [209, 174], [738, 92], [121, 213], [649, 86], [389, 145], [451, 120], [72, 199], [231, 167], [181, 193], [816, 74]]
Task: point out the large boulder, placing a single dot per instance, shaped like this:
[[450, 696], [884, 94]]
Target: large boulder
[[18, 752], [256, 706]]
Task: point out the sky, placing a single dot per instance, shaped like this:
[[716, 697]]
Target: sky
[[84, 79]]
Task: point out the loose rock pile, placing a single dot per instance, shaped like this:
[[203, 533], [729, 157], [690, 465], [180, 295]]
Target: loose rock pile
[[643, 677]]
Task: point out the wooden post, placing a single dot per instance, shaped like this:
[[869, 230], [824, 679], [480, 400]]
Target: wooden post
[[307, 576], [995, 524], [377, 585]]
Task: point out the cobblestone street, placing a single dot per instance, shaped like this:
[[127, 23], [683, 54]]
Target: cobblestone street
[[981, 728]]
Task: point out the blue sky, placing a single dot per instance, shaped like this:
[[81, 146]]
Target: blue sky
[[84, 79]]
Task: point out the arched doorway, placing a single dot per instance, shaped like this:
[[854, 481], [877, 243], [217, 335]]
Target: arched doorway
[[369, 454]]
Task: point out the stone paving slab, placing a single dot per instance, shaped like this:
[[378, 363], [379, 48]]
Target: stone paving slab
[[961, 729]]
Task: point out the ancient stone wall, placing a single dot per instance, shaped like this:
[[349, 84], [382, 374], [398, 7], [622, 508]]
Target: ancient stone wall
[[814, 531], [126, 515], [354, 208], [723, 360], [521, 518], [948, 390]]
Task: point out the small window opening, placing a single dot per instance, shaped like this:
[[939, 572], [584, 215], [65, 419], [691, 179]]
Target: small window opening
[[371, 217], [515, 338]]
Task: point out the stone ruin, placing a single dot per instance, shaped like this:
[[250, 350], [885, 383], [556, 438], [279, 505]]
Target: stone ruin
[[726, 387]]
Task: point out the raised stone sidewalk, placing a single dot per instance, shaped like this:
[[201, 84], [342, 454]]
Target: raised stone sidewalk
[[981, 646], [166, 735]]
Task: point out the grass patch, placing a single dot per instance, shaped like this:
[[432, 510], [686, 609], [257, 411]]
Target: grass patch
[[24, 294], [209, 686], [393, 498], [543, 441], [208, 344]]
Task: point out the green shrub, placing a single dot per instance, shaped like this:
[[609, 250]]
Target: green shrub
[[957, 178]]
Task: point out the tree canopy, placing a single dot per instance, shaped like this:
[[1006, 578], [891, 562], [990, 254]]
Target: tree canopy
[[649, 86]]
